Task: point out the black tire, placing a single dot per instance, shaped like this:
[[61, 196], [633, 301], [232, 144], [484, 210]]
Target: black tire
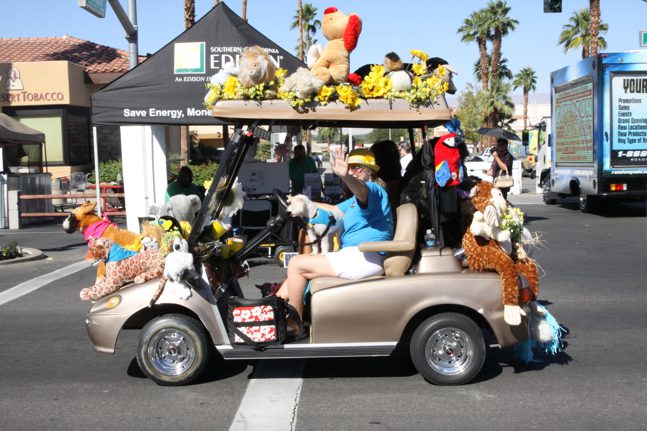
[[448, 349], [279, 253], [587, 204], [173, 349], [547, 196]]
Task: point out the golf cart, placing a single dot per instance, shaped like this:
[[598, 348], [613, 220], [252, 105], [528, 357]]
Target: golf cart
[[432, 307]]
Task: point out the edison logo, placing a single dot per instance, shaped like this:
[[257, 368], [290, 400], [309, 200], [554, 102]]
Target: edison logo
[[189, 57]]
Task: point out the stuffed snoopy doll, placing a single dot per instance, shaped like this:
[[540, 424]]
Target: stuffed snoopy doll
[[179, 263]]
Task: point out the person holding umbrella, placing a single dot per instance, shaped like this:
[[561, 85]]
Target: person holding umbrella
[[502, 162]]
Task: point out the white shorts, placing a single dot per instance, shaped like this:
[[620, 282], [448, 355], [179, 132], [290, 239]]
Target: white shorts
[[352, 264]]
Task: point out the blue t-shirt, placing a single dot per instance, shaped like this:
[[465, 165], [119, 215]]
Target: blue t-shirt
[[373, 223]]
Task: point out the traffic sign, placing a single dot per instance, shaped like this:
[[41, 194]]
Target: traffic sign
[[95, 7], [643, 38]]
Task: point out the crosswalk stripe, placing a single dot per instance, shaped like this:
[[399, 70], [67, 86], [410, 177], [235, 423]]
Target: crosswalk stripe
[[272, 397], [38, 282]]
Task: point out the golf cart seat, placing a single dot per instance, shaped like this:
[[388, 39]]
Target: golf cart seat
[[400, 250]]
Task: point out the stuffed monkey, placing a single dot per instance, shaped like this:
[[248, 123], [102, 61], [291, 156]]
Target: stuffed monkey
[[485, 253]]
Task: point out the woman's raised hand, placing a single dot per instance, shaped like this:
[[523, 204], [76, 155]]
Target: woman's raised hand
[[339, 162]]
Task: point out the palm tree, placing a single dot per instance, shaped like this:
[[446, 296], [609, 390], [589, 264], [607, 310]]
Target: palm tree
[[299, 21], [576, 34], [594, 9], [500, 25], [310, 24], [329, 134], [496, 104], [527, 80], [504, 71], [473, 29], [243, 13], [189, 20]]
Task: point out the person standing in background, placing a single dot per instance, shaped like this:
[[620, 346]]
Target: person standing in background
[[502, 162], [300, 165], [405, 156]]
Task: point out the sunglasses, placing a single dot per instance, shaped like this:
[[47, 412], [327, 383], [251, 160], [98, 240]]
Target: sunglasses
[[357, 168]]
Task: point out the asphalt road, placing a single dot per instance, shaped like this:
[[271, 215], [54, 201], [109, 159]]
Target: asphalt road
[[594, 283]]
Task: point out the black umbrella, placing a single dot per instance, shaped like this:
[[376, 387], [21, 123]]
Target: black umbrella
[[497, 132]]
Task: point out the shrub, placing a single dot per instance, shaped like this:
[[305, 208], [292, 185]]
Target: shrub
[[9, 251], [108, 171]]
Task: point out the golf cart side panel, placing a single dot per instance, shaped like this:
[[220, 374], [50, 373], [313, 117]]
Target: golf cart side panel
[[103, 325], [379, 310]]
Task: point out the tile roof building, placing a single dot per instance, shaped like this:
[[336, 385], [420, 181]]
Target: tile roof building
[[47, 83], [102, 63]]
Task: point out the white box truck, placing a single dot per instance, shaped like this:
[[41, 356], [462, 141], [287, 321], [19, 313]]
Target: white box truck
[[599, 130]]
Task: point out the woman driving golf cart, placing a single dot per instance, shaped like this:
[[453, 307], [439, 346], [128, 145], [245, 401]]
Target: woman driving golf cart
[[367, 217]]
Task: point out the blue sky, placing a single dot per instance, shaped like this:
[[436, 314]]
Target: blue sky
[[397, 26]]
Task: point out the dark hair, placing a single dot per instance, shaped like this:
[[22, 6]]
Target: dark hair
[[501, 141]]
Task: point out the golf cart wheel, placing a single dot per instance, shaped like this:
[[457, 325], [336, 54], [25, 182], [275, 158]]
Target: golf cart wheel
[[279, 254], [448, 349], [173, 349]]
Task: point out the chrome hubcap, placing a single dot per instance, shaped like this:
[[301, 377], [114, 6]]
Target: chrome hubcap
[[172, 352], [449, 351]]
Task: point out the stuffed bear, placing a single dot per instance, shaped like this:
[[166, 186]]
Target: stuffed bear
[[303, 82], [487, 254], [180, 207], [342, 32], [256, 67]]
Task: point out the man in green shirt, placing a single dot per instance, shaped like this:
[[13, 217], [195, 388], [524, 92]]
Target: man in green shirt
[[300, 165], [183, 185]]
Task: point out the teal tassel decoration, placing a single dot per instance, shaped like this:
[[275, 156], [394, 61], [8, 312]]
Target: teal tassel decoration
[[540, 320]]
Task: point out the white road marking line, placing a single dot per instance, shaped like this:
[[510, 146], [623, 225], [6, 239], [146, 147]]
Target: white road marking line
[[38, 282], [272, 397]]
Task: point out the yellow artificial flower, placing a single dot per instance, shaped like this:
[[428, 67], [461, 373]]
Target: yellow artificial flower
[[420, 54], [232, 85], [441, 70], [348, 96], [418, 69], [280, 74], [324, 94]]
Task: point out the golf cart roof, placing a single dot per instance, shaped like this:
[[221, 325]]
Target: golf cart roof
[[376, 113]]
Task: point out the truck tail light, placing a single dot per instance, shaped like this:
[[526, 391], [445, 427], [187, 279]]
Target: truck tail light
[[618, 187]]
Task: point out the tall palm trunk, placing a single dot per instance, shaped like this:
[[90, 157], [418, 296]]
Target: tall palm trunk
[[525, 108], [244, 11], [496, 53], [300, 3], [484, 62], [185, 140], [594, 26]]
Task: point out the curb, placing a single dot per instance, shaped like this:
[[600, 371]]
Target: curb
[[28, 255]]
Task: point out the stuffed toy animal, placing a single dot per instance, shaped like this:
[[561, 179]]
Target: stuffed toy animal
[[303, 83], [180, 207], [85, 220], [256, 66], [121, 268], [401, 79], [228, 69], [342, 32], [485, 253], [432, 66], [322, 224], [178, 264]]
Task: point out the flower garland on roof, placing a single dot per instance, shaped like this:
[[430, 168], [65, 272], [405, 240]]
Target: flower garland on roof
[[425, 89]]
